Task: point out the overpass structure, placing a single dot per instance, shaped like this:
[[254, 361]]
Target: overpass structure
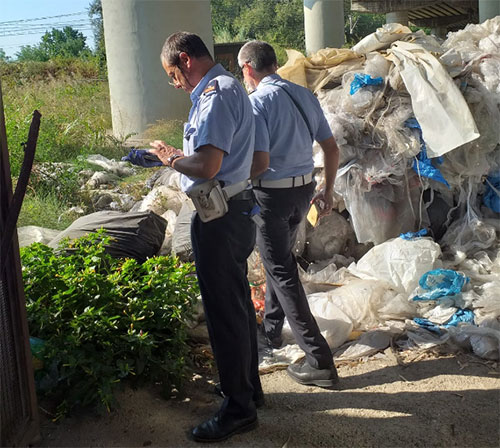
[[135, 31]]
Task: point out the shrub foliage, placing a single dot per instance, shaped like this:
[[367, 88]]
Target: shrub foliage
[[103, 320]]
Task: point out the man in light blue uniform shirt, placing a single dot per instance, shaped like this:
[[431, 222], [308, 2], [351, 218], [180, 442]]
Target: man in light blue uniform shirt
[[288, 118], [218, 144]]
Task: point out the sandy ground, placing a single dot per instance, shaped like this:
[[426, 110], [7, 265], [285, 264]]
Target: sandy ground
[[418, 400]]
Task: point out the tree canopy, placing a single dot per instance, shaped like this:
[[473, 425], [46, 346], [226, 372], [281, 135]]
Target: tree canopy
[[65, 43]]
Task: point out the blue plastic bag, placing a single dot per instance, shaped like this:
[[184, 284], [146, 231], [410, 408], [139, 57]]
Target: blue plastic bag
[[362, 80], [441, 283], [422, 165], [413, 235], [142, 157], [491, 197]]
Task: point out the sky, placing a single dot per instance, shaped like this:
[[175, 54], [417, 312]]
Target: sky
[[24, 22]]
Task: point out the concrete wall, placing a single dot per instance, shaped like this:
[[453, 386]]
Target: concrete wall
[[324, 24], [488, 9], [134, 32]]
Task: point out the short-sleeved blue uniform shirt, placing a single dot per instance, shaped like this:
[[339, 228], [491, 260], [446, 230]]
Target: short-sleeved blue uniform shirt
[[221, 115], [281, 130]]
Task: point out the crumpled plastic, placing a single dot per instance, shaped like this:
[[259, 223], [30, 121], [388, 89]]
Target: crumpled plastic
[[142, 157], [438, 104], [441, 283], [399, 263], [422, 165], [466, 316], [413, 235], [362, 80], [381, 38]]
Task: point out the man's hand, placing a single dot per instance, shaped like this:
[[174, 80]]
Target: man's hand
[[164, 151], [323, 202]]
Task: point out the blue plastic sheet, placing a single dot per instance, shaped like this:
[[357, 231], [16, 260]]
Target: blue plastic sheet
[[422, 165], [441, 283], [142, 157], [462, 315], [413, 235], [491, 197], [362, 80]]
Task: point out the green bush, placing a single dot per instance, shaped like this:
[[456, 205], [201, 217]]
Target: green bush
[[103, 320]]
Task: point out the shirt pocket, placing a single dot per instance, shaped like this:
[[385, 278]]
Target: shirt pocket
[[189, 137]]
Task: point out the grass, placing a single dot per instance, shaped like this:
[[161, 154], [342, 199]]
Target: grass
[[43, 210], [73, 98], [75, 120]]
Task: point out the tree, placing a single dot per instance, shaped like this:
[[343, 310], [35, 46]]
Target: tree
[[95, 14], [3, 56], [65, 43]]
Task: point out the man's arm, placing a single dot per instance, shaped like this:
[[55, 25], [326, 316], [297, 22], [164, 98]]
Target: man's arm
[[324, 198], [205, 163], [260, 163]]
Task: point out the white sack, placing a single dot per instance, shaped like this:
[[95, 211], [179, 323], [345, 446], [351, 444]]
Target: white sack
[[438, 104], [381, 38], [399, 263]]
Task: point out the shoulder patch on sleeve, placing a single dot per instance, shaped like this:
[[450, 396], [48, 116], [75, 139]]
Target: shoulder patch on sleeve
[[211, 87]]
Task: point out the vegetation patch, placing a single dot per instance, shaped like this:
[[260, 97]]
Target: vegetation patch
[[99, 320]]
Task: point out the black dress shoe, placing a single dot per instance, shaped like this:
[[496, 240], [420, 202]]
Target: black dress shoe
[[303, 373], [258, 396], [220, 427]]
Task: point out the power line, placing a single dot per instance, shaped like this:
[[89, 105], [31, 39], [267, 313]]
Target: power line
[[43, 18]]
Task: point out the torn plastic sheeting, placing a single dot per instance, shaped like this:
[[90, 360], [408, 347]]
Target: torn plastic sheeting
[[422, 165], [399, 263], [413, 235], [362, 80], [381, 38], [327, 64], [368, 344], [491, 197], [438, 104], [441, 283], [461, 316]]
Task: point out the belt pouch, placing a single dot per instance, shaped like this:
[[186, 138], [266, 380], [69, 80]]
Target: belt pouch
[[209, 200]]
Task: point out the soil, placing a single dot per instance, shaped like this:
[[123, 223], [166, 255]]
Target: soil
[[413, 399]]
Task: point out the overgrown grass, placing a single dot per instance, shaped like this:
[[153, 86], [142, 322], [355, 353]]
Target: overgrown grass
[[170, 132], [44, 210], [76, 116]]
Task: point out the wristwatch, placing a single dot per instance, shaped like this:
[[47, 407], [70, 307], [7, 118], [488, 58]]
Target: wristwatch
[[171, 159]]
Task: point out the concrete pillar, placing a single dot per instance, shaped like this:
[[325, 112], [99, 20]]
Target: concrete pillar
[[488, 9], [134, 32], [397, 17], [323, 24], [439, 31]]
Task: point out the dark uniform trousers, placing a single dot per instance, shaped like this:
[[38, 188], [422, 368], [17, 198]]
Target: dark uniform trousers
[[221, 248], [282, 210]]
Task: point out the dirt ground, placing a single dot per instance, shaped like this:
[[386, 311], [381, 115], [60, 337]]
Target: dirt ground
[[416, 400]]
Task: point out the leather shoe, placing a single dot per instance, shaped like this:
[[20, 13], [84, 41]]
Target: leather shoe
[[258, 396], [220, 427], [303, 373]]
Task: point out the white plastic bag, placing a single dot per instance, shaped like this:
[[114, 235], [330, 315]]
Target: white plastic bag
[[381, 38], [399, 263], [438, 104]]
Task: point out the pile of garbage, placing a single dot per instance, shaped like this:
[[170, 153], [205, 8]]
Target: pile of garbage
[[409, 256], [417, 123]]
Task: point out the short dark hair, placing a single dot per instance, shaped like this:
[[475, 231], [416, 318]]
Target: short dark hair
[[260, 55], [180, 42]]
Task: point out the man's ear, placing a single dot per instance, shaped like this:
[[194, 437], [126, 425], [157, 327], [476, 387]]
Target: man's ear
[[184, 60]]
